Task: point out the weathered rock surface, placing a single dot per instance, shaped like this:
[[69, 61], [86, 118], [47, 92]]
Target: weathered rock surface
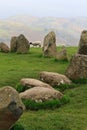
[[62, 55], [40, 94], [19, 44], [11, 107], [49, 45], [22, 44], [54, 78], [13, 44], [83, 43], [78, 67], [30, 83], [4, 47]]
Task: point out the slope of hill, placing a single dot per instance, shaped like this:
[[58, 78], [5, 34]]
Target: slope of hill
[[67, 30]]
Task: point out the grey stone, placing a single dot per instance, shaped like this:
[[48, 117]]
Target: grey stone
[[49, 45], [11, 107], [83, 43], [77, 68]]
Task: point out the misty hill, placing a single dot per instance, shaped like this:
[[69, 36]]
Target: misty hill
[[68, 30]]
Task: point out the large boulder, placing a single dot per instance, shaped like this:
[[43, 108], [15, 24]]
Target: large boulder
[[77, 68], [11, 107], [4, 47], [30, 83], [19, 44], [54, 79], [83, 43], [41, 94], [49, 45]]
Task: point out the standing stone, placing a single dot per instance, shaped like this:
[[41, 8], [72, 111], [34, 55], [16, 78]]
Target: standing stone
[[22, 44], [62, 54], [19, 44], [11, 107], [78, 64], [78, 67], [4, 47], [49, 45], [13, 44], [83, 43]]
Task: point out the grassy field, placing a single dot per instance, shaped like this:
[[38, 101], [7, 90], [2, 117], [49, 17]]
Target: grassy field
[[72, 116]]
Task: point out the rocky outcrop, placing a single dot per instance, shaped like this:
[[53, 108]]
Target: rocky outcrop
[[11, 107], [54, 79], [30, 83], [40, 94], [19, 44], [83, 43], [49, 45], [4, 47], [78, 67]]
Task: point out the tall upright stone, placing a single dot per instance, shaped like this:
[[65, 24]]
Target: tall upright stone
[[62, 54], [19, 44], [77, 68], [13, 44], [49, 45], [83, 43], [22, 44]]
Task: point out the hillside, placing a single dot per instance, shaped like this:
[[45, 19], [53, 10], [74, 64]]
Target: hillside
[[67, 30]]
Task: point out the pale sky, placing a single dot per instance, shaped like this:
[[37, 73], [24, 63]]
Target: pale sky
[[43, 8]]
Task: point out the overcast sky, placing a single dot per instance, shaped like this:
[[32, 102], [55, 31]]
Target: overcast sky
[[42, 8]]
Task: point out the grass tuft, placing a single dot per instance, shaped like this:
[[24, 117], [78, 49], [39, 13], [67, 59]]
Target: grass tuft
[[63, 87], [80, 81], [51, 104], [17, 127], [20, 88]]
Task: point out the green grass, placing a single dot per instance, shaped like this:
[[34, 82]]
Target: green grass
[[13, 67], [71, 116], [51, 104], [17, 127]]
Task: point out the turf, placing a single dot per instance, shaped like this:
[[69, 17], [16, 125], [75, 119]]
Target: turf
[[72, 116]]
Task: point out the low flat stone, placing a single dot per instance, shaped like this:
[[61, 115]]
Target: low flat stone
[[54, 78], [4, 48], [30, 83], [40, 94]]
